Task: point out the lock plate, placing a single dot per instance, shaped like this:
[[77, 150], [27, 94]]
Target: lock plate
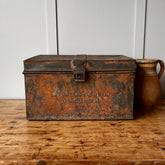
[[79, 68]]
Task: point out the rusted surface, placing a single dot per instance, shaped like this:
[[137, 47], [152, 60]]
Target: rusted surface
[[79, 91], [53, 63], [59, 97]]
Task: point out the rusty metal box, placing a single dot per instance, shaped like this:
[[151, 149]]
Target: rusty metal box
[[79, 87]]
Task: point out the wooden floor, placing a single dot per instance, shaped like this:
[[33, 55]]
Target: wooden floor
[[134, 142]]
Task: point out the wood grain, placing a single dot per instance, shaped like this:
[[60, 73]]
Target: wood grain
[[133, 142]]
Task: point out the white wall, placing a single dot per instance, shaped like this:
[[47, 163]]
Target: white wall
[[22, 35], [96, 26], [27, 28]]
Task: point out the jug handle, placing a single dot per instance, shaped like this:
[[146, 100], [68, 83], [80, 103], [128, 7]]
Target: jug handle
[[161, 68]]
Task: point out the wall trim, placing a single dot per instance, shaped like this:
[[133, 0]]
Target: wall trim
[[51, 27], [139, 28]]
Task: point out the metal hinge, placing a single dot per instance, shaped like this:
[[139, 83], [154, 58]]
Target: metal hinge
[[79, 67]]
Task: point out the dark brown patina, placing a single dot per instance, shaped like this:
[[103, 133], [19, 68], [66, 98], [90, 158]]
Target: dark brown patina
[[81, 87]]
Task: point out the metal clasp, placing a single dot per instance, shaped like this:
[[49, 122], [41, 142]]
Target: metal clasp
[[79, 74], [79, 69]]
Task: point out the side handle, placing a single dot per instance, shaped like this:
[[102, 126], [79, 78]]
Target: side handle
[[161, 68]]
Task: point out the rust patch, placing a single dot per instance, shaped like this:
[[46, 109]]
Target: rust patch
[[58, 97]]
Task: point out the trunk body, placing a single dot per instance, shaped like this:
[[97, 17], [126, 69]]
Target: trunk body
[[79, 87]]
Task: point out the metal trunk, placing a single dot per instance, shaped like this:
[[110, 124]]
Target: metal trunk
[[79, 87]]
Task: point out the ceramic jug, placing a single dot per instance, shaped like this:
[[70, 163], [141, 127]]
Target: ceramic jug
[[147, 84]]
